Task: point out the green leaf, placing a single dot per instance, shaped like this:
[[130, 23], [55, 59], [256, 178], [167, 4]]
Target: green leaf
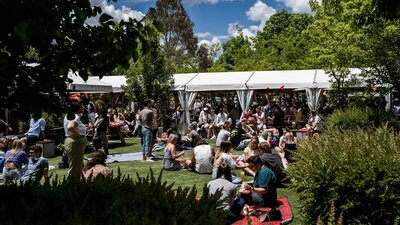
[[159, 26], [105, 17]]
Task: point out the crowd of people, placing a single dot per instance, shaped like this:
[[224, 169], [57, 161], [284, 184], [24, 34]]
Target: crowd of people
[[261, 134], [15, 165]]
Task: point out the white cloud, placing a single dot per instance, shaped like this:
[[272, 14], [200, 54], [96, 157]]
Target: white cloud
[[124, 13], [203, 34], [234, 30], [260, 12], [208, 43], [298, 6], [211, 39]]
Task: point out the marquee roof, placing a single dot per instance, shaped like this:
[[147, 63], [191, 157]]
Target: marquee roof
[[92, 85]]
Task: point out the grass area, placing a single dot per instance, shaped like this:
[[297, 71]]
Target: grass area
[[179, 178]]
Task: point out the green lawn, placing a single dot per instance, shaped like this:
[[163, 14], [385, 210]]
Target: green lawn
[[179, 178]]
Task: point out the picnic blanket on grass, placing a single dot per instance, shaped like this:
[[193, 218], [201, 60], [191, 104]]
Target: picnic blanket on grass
[[136, 156], [283, 206]]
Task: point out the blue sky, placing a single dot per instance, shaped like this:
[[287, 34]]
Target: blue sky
[[214, 20]]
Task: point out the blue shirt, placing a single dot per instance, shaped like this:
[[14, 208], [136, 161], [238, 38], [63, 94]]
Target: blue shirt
[[35, 169], [35, 127]]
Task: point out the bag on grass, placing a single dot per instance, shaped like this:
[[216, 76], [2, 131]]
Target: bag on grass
[[273, 215]]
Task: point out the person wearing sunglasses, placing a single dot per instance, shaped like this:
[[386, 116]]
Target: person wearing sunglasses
[[38, 166]]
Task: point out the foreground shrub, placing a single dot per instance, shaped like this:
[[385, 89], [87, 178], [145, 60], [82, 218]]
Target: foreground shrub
[[353, 118], [354, 176], [118, 200]]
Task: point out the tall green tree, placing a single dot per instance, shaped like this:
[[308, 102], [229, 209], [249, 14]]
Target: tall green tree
[[282, 44], [358, 33], [150, 77], [178, 40], [336, 44], [205, 58], [40, 41], [235, 56]]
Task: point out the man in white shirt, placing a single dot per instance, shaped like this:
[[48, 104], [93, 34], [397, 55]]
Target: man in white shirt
[[202, 158]]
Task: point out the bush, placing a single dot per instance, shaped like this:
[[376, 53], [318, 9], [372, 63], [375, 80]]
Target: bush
[[117, 200], [353, 118], [357, 173]]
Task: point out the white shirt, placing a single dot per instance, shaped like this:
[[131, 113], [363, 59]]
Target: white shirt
[[221, 118], [81, 128], [204, 158], [228, 160]]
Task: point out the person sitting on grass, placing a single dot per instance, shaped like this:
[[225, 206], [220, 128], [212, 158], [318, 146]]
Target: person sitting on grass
[[170, 155], [223, 134], [264, 185], [224, 184], [96, 166], [38, 166], [223, 155], [273, 161], [14, 159], [202, 158], [3, 150], [192, 139], [160, 145], [251, 149]]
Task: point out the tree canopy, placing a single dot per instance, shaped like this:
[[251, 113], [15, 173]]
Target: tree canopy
[[358, 33], [281, 45], [178, 40], [42, 40]]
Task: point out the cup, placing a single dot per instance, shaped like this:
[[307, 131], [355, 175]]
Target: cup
[[242, 176]]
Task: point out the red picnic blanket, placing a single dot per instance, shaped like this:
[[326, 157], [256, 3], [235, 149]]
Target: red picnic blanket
[[282, 204]]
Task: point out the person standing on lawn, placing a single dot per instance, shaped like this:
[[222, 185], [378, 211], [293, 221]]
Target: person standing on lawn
[[75, 138], [148, 120], [101, 126]]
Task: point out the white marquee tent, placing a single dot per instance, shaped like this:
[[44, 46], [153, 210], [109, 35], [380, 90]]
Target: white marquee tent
[[244, 83], [117, 82], [91, 85]]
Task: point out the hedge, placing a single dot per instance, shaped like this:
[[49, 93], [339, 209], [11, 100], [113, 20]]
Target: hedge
[[113, 200]]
